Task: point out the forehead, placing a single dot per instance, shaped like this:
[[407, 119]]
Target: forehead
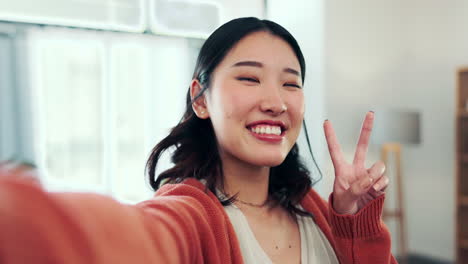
[[264, 47]]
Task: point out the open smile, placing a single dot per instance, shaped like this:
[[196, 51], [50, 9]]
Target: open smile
[[268, 130]]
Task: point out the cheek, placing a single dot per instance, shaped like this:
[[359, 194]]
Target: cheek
[[233, 102], [234, 106], [296, 106]]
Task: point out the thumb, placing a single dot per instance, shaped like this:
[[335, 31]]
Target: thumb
[[347, 201], [362, 185]]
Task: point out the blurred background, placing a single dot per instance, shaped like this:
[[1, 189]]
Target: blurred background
[[88, 87]]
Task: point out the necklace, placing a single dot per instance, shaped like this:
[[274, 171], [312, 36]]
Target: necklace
[[253, 204]]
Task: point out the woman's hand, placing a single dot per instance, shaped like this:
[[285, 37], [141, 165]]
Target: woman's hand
[[354, 184]]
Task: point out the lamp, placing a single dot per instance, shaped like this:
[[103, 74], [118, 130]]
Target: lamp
[[392, 129]]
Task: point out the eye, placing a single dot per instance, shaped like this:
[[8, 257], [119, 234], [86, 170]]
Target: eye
[[293, 85], [248, 79]]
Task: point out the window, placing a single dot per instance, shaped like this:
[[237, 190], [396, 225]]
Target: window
[[92, 104], [71, 81], [129, 68], [104, 101]]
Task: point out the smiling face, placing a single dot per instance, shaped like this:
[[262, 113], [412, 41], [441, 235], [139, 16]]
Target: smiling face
[[255, 101]]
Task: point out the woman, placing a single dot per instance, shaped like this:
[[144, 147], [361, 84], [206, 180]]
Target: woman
[[237, 193]]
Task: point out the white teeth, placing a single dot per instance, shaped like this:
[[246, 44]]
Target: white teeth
[[274, 130]]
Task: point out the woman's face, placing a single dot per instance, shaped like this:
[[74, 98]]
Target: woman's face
[[256, 101]]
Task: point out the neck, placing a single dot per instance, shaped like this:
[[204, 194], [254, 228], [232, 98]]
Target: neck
[[249, 182]]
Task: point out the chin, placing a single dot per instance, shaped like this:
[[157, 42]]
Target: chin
[[268, 161]]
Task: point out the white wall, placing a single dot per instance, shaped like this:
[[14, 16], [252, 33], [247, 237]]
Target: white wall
[[403, 55]]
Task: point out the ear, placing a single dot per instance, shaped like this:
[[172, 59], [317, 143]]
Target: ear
[[199, 106]]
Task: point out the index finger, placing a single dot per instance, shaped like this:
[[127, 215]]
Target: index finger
[[333, 146], [363, 143]]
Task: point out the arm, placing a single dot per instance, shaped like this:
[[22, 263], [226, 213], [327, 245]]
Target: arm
[[41, 227]]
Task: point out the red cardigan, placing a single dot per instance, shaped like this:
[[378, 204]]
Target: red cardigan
[[181, 224]]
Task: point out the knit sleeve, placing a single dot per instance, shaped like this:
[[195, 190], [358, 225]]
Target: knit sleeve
[[363, 237], [41, 227]]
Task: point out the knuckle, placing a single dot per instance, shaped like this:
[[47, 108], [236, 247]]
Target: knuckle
[[386, 180]]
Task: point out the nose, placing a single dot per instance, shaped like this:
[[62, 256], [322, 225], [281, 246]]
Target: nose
[[273, 103]]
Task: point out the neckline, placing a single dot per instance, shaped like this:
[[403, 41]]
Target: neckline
[[258, 249]]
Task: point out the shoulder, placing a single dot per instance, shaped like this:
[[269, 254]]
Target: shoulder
[[189, 198], [190, 190], [189, 186], [192, 212]]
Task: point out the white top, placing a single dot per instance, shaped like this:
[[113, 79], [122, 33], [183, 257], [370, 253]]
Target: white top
[[315, 247]]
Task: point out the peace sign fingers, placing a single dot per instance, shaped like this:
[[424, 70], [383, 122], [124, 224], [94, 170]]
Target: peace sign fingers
[[352, 189], [363, 143]]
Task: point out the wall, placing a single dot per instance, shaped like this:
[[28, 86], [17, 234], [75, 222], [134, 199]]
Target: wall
[[402, 55]]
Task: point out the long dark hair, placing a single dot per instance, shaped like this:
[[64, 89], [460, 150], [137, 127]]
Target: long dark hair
[[195, 149]]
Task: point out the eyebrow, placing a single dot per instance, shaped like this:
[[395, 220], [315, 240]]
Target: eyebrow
[[260, 65]]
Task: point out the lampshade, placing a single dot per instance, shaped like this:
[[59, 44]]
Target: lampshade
[[396, 126]]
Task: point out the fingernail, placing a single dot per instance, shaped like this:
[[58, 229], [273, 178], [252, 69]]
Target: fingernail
[[377, 187]]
